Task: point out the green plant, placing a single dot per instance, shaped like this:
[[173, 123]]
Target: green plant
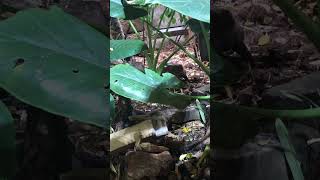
[[59, 70], [153, 32], [153, 85]]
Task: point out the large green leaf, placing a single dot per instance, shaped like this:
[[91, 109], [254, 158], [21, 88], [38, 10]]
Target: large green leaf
[[121, 49], [117, 10], [7, 143], [55, 62], [129, 82], [289, 152], [197, 9]]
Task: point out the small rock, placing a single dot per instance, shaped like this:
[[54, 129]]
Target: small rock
[[143, 164], [151, 148], [309, 83]]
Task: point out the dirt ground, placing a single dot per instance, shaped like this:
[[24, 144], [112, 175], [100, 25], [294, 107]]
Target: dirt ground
[[281, 51]]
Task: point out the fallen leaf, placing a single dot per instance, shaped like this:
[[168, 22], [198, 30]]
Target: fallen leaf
[[264, 40]]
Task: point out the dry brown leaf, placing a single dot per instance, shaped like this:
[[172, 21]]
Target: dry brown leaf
[[264, 40]]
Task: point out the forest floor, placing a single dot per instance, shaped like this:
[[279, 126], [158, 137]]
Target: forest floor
[[179, 163], [281, 52]]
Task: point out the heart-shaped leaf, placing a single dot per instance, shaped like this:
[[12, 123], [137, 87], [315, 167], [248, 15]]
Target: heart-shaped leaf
[[120, 49], [117, 10], [129, 82], [55, 62], [199, 9], [289, 152]]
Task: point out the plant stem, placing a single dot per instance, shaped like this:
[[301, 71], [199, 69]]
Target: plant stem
[[200, 97], [162, 42], [161, 19], [134, 29], [149, 34], [148, 54], [202, 66], [164, 62], [271, 113]]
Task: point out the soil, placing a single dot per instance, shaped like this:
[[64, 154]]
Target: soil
[[280, 50]]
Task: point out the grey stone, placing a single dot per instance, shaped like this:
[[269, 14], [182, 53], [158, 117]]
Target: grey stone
[[304, 85], [258, 159], [286, 96]]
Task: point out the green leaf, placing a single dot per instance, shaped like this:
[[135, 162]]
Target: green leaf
[[199, 9], [299, 97], [257, 113], [120, 49], [117, 10], [129, 82], [234, 123], [55, 62], [290, 153], [7, 143], [174, 20], [201, 111]]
